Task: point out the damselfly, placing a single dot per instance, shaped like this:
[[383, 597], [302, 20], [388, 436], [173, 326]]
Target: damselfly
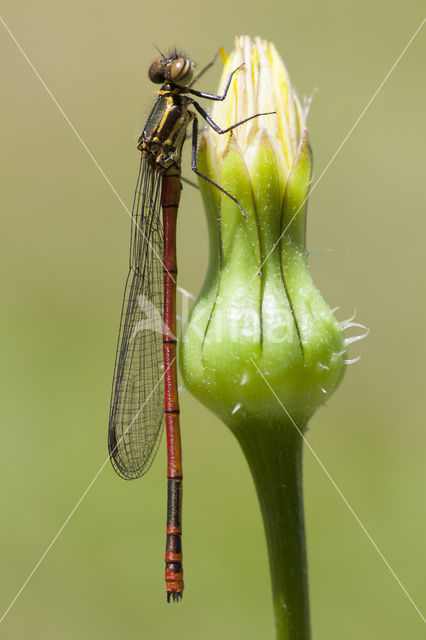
[[145, 376]]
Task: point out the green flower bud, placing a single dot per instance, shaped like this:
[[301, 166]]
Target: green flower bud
[[262, 349], [259, 302]]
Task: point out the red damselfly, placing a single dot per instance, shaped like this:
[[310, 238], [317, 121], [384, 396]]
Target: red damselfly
[[145, 376]]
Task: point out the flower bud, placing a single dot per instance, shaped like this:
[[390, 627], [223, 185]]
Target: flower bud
[[259, 308]]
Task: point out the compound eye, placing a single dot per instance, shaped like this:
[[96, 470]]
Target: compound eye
[[180, 70], [157, 71]]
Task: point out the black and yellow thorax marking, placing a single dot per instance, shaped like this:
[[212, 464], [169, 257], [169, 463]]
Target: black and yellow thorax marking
[[162, 139]]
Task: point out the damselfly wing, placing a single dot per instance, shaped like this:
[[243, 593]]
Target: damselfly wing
[[137, 404]]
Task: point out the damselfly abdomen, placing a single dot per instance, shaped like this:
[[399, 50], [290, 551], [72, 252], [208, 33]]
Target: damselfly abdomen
[[145, 376]]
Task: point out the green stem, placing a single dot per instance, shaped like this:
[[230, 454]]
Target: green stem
[[274, 455]]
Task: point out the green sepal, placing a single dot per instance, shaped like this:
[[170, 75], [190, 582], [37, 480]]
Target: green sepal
[[320, 334]]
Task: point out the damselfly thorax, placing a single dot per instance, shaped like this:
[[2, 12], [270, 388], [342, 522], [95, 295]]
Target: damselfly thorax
[[163, 136]]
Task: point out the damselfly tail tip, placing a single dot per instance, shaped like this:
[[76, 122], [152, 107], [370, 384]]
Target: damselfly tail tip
[[176, 597]]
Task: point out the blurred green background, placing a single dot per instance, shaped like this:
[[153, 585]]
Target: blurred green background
[[64, 252]]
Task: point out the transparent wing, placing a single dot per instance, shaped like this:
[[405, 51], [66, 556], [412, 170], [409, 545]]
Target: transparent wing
[[137, 399]]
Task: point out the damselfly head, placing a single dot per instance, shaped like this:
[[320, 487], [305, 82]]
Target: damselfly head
[[175, 70]]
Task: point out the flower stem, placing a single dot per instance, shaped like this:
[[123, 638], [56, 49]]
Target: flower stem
[[274, 454]]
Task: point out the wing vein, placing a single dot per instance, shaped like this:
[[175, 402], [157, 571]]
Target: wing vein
[[137, 398]]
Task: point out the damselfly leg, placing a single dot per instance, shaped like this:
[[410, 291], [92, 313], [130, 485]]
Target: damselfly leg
[[203, 70], [216, 128], [216, 96]]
